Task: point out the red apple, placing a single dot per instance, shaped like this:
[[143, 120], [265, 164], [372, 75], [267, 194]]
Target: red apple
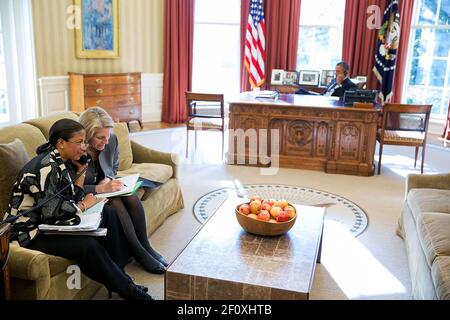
[[264, 215], [275, 211], [266, 206], [269, 202], [290, 211], [255, 206], [283, 217], [255, 198], [244, 209]]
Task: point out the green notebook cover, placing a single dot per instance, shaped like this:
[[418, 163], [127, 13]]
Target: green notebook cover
[[135, 189]]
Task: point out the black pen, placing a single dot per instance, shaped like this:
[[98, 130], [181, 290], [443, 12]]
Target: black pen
[[112, 178]]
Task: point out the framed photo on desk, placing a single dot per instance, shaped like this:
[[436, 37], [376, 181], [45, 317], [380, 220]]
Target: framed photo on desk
[[277, 77], [309, 78], [290, 78], [327, 77]]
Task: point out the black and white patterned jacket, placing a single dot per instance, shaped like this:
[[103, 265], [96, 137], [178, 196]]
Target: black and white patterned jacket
[[40, 180]]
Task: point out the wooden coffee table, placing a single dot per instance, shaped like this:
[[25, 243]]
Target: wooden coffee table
[[225, 262]]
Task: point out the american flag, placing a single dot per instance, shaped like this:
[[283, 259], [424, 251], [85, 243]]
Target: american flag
[[255, 43]]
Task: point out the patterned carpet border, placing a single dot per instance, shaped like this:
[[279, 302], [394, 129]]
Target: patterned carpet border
[[339, 209]]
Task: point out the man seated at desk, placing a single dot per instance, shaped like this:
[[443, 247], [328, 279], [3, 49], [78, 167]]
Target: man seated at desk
[[339, 85]]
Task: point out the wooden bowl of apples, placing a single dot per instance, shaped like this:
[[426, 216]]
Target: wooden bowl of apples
[[266, 217]]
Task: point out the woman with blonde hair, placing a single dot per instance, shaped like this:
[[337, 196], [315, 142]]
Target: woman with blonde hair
[[100, 177]]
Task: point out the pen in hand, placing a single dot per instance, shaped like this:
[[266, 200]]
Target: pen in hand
[[112, 178]]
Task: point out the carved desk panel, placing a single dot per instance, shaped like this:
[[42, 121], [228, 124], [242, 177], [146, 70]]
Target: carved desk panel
[[306, 132]]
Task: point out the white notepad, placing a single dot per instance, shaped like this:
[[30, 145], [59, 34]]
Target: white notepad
[[129, 183], [90, 221]]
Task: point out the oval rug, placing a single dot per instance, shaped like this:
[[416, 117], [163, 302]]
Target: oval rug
[[339, 209]]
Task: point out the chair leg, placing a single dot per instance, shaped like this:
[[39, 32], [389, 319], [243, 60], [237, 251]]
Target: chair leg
[[417, 154], [423, 158], [195, 139], [379, 158], [223, 144], [187, 142]]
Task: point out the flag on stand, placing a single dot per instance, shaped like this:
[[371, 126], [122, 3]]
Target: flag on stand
[[255, 43], [387, 46]]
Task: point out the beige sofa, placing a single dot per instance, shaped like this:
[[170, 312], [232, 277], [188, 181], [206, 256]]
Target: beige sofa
[[35, 275], [425, 227]]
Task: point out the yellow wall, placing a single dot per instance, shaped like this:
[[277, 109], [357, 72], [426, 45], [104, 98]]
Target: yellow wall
[[141, 39]]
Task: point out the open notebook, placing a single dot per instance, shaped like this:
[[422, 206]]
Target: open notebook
[[90, 221], [129, 187]]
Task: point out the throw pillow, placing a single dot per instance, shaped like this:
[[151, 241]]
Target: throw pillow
[[13, 157], [126, 154]]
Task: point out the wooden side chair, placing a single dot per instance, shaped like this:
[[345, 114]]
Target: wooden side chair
[[446, 133], [205, 111], [404, 125]]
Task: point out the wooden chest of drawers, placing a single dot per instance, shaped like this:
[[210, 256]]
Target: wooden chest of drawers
[[118, 93]]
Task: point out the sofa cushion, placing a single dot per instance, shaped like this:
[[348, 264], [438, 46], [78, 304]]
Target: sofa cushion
[[152, 171], [428, 200], [30, 136], [13, 156], [440, 272], [126, 155], [434, 234], [44, 124]]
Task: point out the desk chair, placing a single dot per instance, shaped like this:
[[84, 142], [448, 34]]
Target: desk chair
[[404, 125], [205, 111]]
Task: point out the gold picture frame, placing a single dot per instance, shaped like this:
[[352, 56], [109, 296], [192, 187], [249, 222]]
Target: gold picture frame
[[98, 34]]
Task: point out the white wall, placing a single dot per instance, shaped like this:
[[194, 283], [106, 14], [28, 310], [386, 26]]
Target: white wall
[[55, 95]]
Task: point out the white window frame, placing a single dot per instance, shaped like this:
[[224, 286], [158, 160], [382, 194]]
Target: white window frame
[[433, 117], [17, 29]]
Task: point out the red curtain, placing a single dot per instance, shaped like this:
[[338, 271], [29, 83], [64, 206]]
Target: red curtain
[[359, 44], [282, 26], [283, 18], [178, 52], [406, 8]]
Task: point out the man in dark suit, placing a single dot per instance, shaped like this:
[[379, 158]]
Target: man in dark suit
[[339, 85]]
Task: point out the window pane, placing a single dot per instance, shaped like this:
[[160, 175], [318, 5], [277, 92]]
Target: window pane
[[428, 10], [3, 87], [323, 12], [437, 73], [444, 15], [423, 95], [319, 48], [417, 73], [216, 59], [321, 34], [218, 11], [442, 43]]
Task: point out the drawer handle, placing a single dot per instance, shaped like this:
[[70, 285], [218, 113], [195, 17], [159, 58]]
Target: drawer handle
[[131, 89], [99, 102], [99, 90], [99, 80], [131, 99], [131, 79], [131, 111]]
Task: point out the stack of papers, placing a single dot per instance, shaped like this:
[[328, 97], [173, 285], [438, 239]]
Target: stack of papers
[[90, 221], [266, 94], [129, 187]]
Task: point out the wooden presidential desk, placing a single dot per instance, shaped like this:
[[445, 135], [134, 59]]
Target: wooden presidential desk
[[315, 132]]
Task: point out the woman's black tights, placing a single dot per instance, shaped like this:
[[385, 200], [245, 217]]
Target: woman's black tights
[[132, 217]]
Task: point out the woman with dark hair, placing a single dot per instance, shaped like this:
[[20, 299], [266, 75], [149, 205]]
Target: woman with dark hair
[[45, 182], [104, 151]]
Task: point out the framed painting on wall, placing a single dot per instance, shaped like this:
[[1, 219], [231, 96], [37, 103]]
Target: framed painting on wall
[[98, 35]]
